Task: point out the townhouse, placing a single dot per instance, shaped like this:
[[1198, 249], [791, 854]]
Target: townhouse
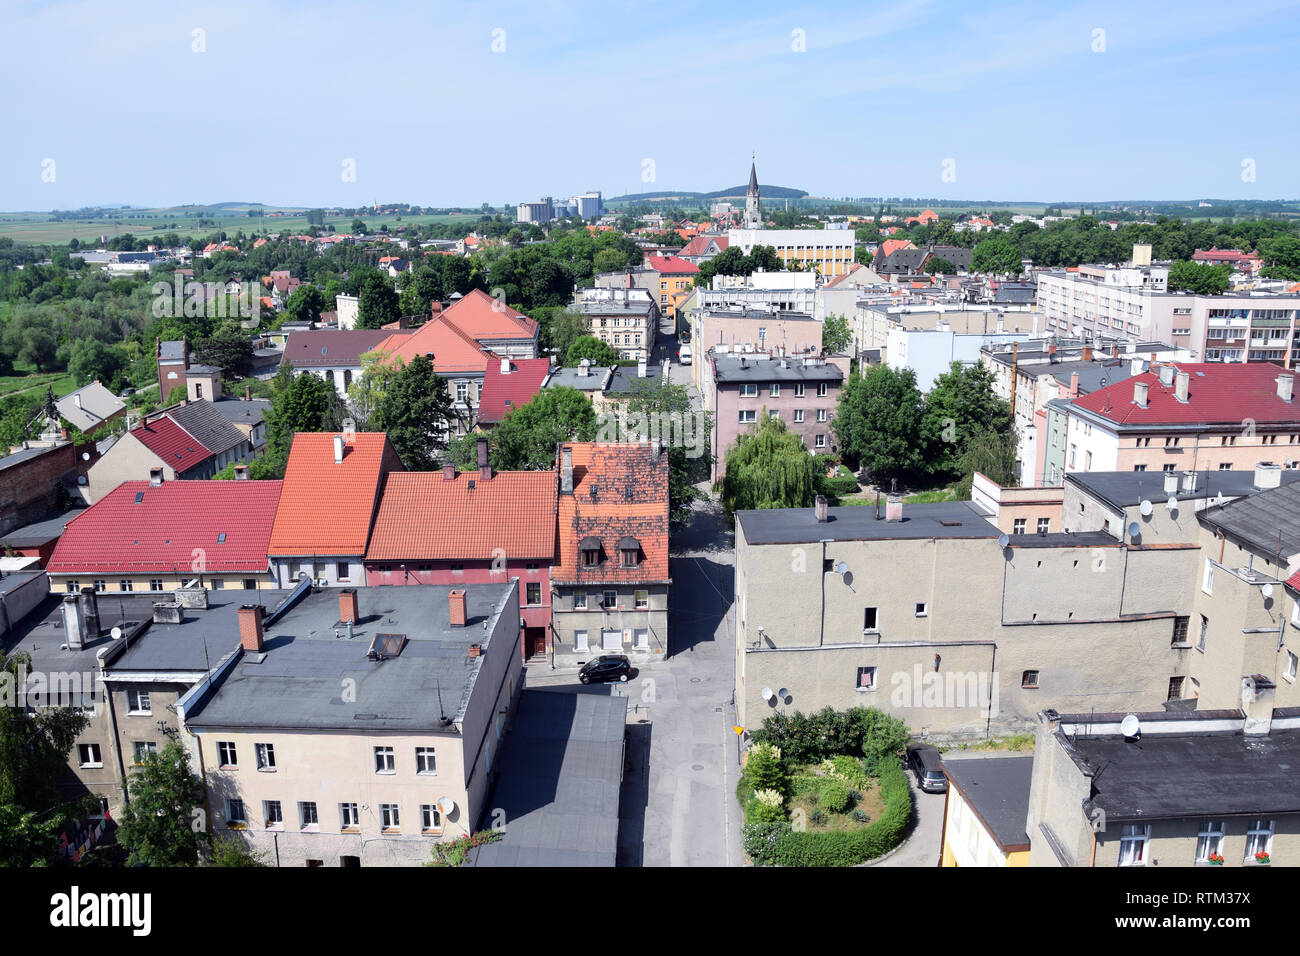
[[356, 727], [676, 279], [985, 811], [335, 354], [610, 583], [627, 320]]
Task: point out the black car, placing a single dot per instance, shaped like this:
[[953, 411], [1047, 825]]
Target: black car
[[925, 763], [606, 667]]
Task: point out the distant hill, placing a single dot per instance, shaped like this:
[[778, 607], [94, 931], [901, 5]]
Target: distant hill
[[735, 192]]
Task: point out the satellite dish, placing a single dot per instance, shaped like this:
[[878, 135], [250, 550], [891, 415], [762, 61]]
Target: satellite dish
[[1134, 530], [1267, 590], [841, 568], [116, 632], [1145, 508], [1003, 540], [1130, 727], [81, 479], [783, 693], [1219, 499], [1172, 503], [85, 456], [767, 693], [446, 805]]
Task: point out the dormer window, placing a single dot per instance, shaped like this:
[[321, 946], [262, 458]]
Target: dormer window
[[590, 548], [629, 550]]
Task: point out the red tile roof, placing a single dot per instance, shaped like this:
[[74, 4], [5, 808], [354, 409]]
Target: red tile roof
[[177, 448], [1217, 393], [452, 349], [890, 246], [672, 265], [326, 507], [424, 516], [631, 483], [480, 316], [161, 531], [503, 393], [700, 245]]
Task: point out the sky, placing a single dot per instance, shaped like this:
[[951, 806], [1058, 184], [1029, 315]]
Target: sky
[[454, 104]]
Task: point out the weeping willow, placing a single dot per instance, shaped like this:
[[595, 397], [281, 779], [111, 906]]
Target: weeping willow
[[769, 468]]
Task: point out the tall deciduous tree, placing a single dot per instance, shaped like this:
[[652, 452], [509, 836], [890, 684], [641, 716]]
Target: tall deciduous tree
[[159, 826], [836, 335], [769, 468], [997, 255], [377, 302], [301, 403], [1201, 279], [591, 348], [229, 348], [960, 406], [526, 439], [417, 413], [879, 422]]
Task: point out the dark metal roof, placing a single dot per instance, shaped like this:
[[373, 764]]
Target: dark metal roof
[[1125, 489], [39, 533], [800, 525], [731, 368], [213, 431], [997, 788], [1267, 520]]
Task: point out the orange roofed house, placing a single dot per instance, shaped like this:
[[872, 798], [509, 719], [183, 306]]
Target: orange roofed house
[[479, 527], [610, 584], [328, 501]]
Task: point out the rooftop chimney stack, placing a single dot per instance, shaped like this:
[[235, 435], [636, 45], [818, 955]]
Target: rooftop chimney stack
[[250, 628], [155, 476], [248, 393], [566, 471], [1087, 353], [167, 612], [1140, 393], [338, 449], [349, 606], [584, 368], [1181, 380], [1135, 366], [484, 469], [73, 625], [448, 471], [1257, 704], [241, 473], [349, 431], [1171, 482], [1074, 384], [821, 509], [1166, 375], [894, 508], [1267, 475], [1285, 384], [456, 606], [1189, 481]]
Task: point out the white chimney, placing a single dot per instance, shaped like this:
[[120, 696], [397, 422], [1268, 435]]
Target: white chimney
[[1285, 383], [1171, 482], [1166, 375], [584, 368], [349, 431], [1267, 475], [1140, 394], [338, 449], [1135, 366], [505, 366], [1189, 481], [1180, 386]]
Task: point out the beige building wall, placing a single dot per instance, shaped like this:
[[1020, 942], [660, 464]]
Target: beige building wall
[[230, 581], [127, 460]]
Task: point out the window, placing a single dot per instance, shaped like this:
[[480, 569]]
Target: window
[[580, 601], [265, 756], [774, 414], [341, 570], [628, 557], [641, 638], [1029, 679], [866, 679], [100, 586], [430, 818], [642, 599], [747, 416], [775, 390], [590, 557], [1073, 449], [235, 811], [821, 389], [385, 762], [307, 817], [1259, 840], [1207, 578], [869, 621], [1018, 526], [1205, 627], [144, 749], [348, 817], [1133, 845], [125, 585], [155, 584], [821, 414], [74, 587], [1167, 469], [1139, 467], [533, 593], [137, 703], [273, 813], [1087, 461], [218, 584], [250, 584], [425, 760], [389, 817], [1043, 525], [1209, 841], [921, 609], [748, 390], [89, 755], [1291, 662], [1225, 466], [226, 756], [798, 390], [462, 392], [579, 640], [1180, 631], [1175, 688], [798, 415], [609, 599]]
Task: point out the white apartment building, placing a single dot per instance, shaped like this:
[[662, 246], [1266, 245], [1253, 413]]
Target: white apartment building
[[828, 251]]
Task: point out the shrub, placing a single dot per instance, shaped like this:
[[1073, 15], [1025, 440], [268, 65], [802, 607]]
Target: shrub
[[765, 770], [851, 771], [809, 738], [859, 815], [759, 839], [757, 811], [835, 795], [818, 818]]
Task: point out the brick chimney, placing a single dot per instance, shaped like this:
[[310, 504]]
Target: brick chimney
[[484, 469], [248, 393], [250, 627], [894, 508], [456, 599], [566, 471], [448, 471], [1074, 384], [820, 508], [349, 609]]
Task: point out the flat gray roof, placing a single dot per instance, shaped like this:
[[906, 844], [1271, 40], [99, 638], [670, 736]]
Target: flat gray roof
[[742, 368], [1268, 520], [297, 683], [998, 790], [1126, 489], [800, 525], [41, 532], [560, 773]]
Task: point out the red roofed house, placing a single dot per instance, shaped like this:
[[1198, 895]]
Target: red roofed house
[[492, 324], [927, 216], [1187, 416], [702, 248], [610, 582], [1248, 262], [163, 535], [676, 278], [509, 384], [890, 246], [327, 505], [472, 528]]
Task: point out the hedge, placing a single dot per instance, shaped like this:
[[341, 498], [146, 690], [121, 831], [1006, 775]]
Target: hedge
[[778, 844]]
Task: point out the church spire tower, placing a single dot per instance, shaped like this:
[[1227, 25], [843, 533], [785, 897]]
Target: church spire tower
[[753, 206]]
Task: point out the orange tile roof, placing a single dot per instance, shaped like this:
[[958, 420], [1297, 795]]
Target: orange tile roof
[[453, 350], [326, 508], [424, 516], [480, 316], [631, 483], [890, 246]]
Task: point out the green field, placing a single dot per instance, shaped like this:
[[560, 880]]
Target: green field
[[61, 382], [37, 227]]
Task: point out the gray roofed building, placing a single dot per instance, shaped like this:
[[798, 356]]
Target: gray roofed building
[[944, 519], [209, 426], [997, 789], [731, 368], [1268, 521], [171, 351], [332, 348], [89, 407], [1126, 489], [38, 533], [237, 411], [594, 380]]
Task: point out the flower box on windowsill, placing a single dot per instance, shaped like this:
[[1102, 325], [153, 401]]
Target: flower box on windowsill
[[1261, 859]]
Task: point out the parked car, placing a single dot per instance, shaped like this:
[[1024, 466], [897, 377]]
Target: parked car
[[684, 355], [606, 667], [925, 762]]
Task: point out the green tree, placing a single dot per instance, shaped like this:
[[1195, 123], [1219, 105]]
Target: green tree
[[939, 264], [231, 851], [377, 302], [879, 422], [993, 455], [526, 439], [997, 255], [564, 329], [769, 468], [158, 826], [299, 403], [589, 347], [959, 407], [27, 838], [1282, 256], [29, 339], [861, 255], [1200, 279], [229, 348], [366, 393], [836, 335], [417, 412], [91, 360], [609, 260], [306, 303]]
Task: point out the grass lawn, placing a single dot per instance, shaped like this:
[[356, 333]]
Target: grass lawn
[[807, 785], [61, 382], [1019, 743]]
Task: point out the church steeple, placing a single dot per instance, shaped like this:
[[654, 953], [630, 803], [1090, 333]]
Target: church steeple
[[753, 205]]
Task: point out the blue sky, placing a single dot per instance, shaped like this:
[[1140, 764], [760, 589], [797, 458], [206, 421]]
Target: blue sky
[[1169, 105]]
